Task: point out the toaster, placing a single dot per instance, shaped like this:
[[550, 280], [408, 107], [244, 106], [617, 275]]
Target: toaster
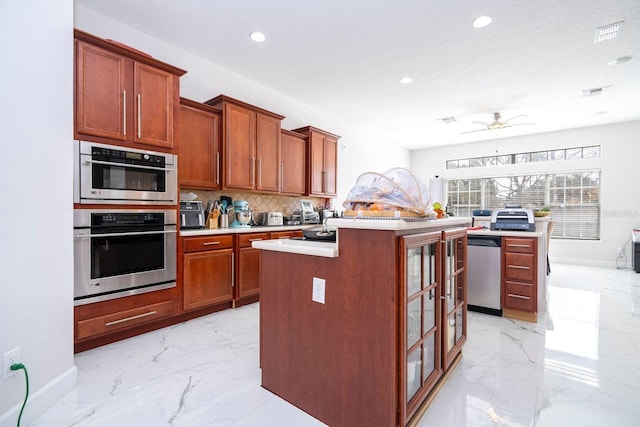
[[271, 218]]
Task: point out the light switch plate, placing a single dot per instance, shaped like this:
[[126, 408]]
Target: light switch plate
[[318, 290]]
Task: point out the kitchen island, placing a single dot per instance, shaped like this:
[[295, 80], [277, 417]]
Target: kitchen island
[[363, 331]]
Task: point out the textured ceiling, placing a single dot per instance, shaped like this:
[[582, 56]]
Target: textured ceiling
[[346, 58]]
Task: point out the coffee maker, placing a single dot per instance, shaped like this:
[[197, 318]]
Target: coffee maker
[[241, 214]]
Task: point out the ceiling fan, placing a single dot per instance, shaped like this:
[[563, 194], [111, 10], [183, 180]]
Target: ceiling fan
[[499, 124]]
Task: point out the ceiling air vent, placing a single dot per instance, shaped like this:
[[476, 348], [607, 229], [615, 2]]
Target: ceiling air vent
[[607, 32], [448, 120], [595, 91]]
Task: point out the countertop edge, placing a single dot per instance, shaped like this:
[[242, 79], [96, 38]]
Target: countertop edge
[[301, 247]]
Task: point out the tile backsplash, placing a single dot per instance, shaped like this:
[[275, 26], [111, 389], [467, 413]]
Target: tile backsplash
[[262, 202]]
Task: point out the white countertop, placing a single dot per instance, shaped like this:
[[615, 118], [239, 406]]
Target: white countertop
[[394, 224], [303, 247], [233, 230]]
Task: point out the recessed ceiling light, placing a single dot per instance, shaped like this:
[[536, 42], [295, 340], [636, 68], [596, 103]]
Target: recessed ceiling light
[[620, 60], [482, 21], [257, 36], [406, 80]]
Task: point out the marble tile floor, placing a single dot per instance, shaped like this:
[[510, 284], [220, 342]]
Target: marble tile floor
[[579, 365]]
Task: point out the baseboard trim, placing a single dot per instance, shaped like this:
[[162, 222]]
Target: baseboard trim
[[43, 399]]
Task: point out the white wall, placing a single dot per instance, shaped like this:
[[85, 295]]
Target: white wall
[[36, 252], [360, 151], [619, 171]]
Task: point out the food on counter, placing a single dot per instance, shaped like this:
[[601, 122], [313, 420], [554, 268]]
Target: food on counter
[[397, 190]]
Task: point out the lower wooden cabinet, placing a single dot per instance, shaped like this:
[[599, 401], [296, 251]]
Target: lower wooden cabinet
[[208, 276], [248, 269], [519, 274]]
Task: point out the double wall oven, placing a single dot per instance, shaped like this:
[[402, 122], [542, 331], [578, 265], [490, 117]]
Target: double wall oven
[[123, 251]]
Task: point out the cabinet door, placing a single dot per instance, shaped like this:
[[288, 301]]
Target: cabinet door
[[421, 319], [292, 155], [316, 164], [248, 272], [101, 92], [239, 147], [330, 166], [154, 100], [455, 293], [199, 154], [208, 278], [267, 153]]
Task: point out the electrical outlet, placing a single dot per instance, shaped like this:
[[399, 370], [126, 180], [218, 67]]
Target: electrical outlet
[[8, 359], [317, 294]]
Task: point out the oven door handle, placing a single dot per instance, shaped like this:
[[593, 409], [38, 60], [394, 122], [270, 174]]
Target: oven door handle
[[97, 162], [133, 233]]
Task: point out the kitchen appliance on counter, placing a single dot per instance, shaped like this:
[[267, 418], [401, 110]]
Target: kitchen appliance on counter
[[306, 213], [513, 219], [270, 218], [483, 274], [242, 214], [191, 215], [118, 253], [112, 174]]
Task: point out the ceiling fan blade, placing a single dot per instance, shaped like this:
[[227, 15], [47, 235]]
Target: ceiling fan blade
[[471, 131], [482, 123], [520, 124], [515, 117]]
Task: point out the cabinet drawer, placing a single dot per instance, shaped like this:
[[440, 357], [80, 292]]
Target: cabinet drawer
[[520, 296], [519, 267], [244, 240], [208, 243], [523, 246], [122, 319], [282, 234]]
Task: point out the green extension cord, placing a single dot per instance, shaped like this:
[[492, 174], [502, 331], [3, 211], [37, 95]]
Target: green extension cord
[[15, 367]]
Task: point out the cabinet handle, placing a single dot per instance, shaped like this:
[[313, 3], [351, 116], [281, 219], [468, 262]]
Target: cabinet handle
[[126, 319], [233, 270], [257, 239], [281, 176], [520, 267], [252, 166], [518, 296], [124, 111], [218, 168], [513, 245], [284, 237], [139, 118], [259, 172], [324, 181], [211, 243]]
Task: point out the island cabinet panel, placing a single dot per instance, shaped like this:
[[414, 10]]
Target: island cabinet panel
[[199, 145], [208, 276], [374, 350], [520, 275], [293, 158], [251, 146], [123, 95]]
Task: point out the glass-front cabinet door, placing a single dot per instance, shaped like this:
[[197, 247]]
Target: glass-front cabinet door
[[454, 293], [421, 318]]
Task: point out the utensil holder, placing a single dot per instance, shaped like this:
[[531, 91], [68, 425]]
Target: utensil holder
[[224, 220]]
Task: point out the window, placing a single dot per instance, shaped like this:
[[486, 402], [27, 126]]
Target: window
[[574, 198]]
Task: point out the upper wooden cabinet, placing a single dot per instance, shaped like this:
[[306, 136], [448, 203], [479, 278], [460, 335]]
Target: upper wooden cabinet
[[292, 163], [251, 146], [199, 151], [322, 161], [123, 95]]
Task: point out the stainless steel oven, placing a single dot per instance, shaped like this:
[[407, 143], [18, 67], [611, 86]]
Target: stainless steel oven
[[112, 174], [118, 253]]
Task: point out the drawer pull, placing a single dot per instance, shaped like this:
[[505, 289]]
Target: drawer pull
[[126, 319], [513, 245], [257, 239], [521, 267], [284, 237], [518, 296], [211, 243]]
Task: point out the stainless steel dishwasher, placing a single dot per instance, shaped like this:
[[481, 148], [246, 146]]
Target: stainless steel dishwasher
[[483, 274]]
